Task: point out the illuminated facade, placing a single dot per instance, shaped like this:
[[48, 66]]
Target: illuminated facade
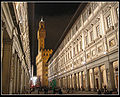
[[15, 52], [87, 58], [43, 55]]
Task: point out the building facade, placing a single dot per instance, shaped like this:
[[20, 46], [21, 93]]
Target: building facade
[[15, 48], [87, 58], [43, 55]]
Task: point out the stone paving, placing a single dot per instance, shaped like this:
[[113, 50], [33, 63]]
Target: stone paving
[[50, 92]]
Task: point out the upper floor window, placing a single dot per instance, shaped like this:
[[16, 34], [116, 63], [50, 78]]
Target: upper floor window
[[79, 23], [86, 39], [89, 10], [70, 54], [77, 47], [76, 28], [98, 30], [66, 56], [117, 12], [94, 6], [84, 16], [81, 44], [74, 51], [108, 19], [73, 30], [91, 36]]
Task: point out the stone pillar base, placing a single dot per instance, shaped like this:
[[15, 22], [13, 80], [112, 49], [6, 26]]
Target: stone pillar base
[[87, 89], [78, 89], [93, 89]]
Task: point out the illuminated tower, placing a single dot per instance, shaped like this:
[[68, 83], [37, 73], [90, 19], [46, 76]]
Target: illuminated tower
[[41, 35], [43, 55]]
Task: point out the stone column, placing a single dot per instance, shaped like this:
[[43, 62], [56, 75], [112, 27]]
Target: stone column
[[71, 82], [78, 81], [93, 79], [21, 79], [110, 76], [100, 81], [81, 80], [18, 75], [12, 76], [87, 80], [23, 88], [66, 82], [16, 84], [75, 87], [24, 80], [15, 64], [60, 82]]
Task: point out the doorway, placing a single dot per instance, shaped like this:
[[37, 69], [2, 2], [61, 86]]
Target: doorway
[[97, 84]]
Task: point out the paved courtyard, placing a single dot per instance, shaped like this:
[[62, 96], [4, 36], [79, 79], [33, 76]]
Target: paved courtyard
[[50, 92]]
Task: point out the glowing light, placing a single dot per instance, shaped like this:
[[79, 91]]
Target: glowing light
[[83, 62], [34, 79], [105, 52]]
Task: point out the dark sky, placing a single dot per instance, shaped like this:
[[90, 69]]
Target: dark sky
[[56, 17]]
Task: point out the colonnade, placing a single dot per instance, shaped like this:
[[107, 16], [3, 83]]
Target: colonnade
[[15, 76], [90, 79]]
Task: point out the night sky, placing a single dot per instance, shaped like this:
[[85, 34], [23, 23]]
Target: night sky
[[56, 16]]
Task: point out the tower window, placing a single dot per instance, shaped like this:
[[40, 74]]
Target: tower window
[[41, 26]]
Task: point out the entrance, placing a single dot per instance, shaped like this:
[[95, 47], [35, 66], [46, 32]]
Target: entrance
[[97, 84], [117, 81]]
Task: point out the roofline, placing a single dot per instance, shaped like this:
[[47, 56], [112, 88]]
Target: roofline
[[70, 24]]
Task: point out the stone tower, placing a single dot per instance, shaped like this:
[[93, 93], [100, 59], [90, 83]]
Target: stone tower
[[43, 55], [41, 35]]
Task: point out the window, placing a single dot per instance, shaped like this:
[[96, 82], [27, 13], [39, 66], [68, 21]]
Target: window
[[76, 27], [99, 48], [88, 55], [74, 51], [41, 26], [79, 23], [112, 43], [91, 35], [98, 30], [86, 40], [84, 16], [77, 47], [70, 54], [93, 52], [94, 6], [66, 56], [108, 19], [74, 30], [81, 44], [68, 38], [117, 12], [89, 10]]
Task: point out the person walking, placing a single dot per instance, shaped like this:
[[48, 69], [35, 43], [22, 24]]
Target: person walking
[[59, 91]]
